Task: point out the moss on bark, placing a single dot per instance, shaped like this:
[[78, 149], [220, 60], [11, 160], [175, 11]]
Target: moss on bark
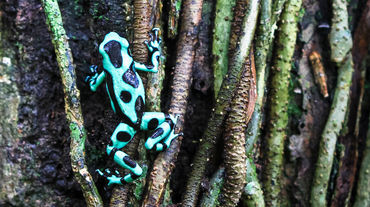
[[279, 97], [72, 102]]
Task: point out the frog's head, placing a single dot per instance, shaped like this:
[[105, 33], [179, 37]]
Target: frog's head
[[112, 49]]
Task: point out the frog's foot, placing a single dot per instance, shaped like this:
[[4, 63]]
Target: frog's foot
[[126, 162], [165, 144], [111, 176], [93, 74], [155, 41], [163, 135]]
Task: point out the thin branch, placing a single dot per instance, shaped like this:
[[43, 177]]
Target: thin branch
[[164, 163], [72, 102], [278, 113], [221, 36], [341, 55], [264, 46], [142, 27], [244, 38], [234, 146]]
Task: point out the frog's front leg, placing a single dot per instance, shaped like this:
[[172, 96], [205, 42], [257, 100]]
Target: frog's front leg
[[122, 135], [154, 53], [164, 130], [96, 79]]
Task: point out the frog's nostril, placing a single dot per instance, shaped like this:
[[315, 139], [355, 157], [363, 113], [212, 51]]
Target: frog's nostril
[[113, 49]]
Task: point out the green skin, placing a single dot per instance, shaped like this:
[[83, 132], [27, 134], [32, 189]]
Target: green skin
[[127, 97]]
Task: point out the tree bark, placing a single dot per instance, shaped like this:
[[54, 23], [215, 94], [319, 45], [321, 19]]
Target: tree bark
[[164, 163], [279, 98], [72, 102]]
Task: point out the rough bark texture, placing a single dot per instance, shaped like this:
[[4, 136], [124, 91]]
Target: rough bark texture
[[72, 103], [142, 14], [235, 156], [9, 103], [342, 57], [164, 163], [212, 194], [279, 97], [359, 52], [229, 83], [35, 166]]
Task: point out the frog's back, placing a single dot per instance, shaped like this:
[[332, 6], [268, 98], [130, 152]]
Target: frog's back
[[124, 85], [126, 93]]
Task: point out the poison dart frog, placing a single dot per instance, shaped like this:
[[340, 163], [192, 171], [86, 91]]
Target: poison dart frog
[[127, 97]]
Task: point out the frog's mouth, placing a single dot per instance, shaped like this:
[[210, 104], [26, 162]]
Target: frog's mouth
[[113, 49]]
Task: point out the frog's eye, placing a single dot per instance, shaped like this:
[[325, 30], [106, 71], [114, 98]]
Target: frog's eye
[[113, 49]]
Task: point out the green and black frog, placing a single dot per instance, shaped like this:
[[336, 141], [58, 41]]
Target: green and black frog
[[127, 97]]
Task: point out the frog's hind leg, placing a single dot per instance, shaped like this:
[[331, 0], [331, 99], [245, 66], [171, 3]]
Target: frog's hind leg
[[122, 135], [163, 125], [126, 162]]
